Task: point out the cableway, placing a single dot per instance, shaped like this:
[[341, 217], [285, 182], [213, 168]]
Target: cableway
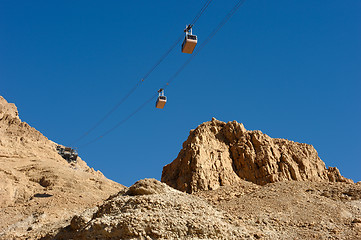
[[121, 122], [173, 77], [146, 75]]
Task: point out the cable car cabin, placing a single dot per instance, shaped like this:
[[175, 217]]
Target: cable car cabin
[[161, 102], [189, 43]]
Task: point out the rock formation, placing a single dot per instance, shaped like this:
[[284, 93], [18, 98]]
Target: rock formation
[[18, 138], [42, 196], [152, 210], [218, 153], [39, 190]]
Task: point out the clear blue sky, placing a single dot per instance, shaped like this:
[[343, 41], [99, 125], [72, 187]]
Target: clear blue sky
[[291, 69]]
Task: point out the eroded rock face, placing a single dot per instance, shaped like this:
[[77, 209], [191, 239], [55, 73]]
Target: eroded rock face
[[218, 153], [19, 139], [152, 210], [39, 190], [8, 109]]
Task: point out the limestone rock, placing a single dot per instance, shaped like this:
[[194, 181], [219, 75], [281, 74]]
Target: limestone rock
[[8, 109], [80, 221], [146, 187], [39, 190], [159, 213], [218, 153]]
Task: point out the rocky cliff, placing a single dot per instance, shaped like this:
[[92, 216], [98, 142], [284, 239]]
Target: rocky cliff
[[39, 190], [218, 153]]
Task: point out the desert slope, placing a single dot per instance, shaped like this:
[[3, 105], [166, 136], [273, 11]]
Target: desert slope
[[282, 210], [293, 209], [39, 190], [150, 209]]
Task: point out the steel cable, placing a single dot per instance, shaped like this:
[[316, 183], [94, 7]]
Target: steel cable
[[205, 6], [120, 122]]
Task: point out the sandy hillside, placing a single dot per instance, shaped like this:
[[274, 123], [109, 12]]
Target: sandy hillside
[[39, 190], [293, 209], [282, 210], [152, 210]]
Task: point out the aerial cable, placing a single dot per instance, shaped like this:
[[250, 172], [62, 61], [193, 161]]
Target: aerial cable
[[121, 122], [205, 6], [210, 36], [108, 114], [163, 57]]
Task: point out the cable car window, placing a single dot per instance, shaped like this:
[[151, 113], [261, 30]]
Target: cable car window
[[193, 37]]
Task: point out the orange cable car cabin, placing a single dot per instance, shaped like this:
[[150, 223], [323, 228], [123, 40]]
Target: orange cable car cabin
[[161, 100], [190, 40]]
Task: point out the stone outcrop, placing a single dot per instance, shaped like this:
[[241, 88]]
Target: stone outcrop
[[152, 210], [218, 153], [17, 137], [8, 109], [39, 190]]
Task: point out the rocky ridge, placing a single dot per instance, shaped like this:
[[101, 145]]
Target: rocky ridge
[[39, 190], [152, 210], [218, 154], [283, 210]]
